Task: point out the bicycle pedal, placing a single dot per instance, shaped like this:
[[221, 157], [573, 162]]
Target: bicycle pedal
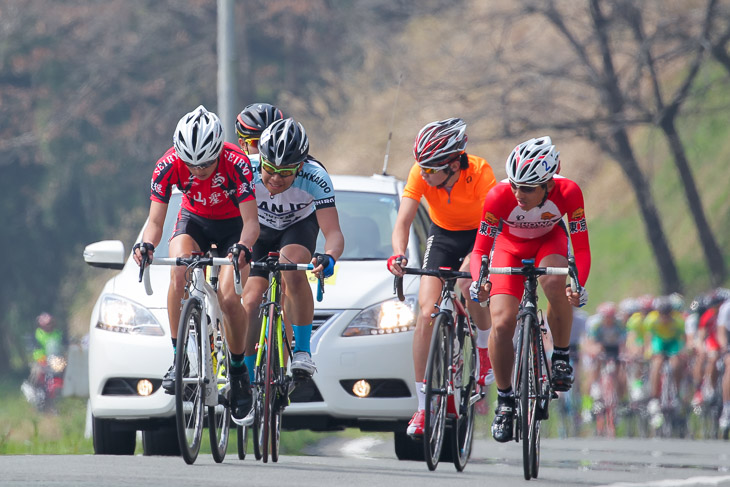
[[554, 395]]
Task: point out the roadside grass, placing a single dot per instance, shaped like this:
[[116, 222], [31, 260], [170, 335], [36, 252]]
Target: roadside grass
[[25, 431]]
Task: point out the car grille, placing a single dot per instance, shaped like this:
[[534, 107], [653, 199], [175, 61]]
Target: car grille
[[323, 316], [306, 392], [126, 386]]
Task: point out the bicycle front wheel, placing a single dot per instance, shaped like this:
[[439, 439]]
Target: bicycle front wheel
[[463, 433], [219, 417], [437, 370], [269, 379], [528, 396], [277, 385], [189, 387], [257, 427]]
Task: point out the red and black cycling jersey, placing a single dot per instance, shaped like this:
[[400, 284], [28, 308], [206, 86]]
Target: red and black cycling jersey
[[216, 197]]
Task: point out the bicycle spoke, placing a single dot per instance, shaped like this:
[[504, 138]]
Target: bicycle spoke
[[437, 367]]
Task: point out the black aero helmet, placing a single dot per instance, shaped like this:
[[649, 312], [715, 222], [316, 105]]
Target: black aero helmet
[[284, 143], [255, 118]]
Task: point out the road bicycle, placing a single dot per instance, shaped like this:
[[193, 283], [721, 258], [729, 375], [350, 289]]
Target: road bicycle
[[272, 385], [202, 360], [606, 407], [452, 373], [531, 375]]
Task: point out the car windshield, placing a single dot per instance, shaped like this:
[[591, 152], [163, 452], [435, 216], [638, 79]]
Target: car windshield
[[367, 221]]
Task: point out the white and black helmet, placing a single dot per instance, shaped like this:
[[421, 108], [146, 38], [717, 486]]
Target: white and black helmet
[[533, 162], [440, 142], [198, 137], [284, 143]]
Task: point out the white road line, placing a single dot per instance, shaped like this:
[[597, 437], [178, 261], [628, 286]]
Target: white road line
[[360, 447], [690, 482]]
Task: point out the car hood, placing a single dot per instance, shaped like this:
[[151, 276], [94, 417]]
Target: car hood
[[354, 285], [358, 284]]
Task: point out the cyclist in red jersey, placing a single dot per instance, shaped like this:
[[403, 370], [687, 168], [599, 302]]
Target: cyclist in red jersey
[[525, 211], [218, 207], [454, 184]]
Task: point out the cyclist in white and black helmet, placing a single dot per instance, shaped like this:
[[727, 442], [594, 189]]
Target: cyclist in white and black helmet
[[218, 207], [295, 200]]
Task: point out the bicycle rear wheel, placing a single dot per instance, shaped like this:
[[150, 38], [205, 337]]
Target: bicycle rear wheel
[[437, 369], [463, 431], [189, 388], [527, 399], [241, 440], [219, 417]]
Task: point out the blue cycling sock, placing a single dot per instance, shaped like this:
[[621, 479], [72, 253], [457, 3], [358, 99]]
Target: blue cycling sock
[[250, 361], [302, 334]]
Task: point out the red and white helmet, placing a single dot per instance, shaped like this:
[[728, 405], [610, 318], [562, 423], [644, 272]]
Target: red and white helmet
[[533, 162], [440, 142]]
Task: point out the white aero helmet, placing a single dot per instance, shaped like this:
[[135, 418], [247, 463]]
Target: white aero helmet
[[533, 162], [198, 137]]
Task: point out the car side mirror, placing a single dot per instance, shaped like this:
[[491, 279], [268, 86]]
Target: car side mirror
[[107, 254]]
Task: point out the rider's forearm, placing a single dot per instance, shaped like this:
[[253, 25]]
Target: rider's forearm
[[250, 233]]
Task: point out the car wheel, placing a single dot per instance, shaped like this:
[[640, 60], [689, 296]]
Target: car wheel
[[161, 442], [110, 438], [406, 448]]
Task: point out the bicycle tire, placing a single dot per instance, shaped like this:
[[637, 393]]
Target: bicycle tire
[[277, 397], [189, 387], [527, 395], [241, 441], [437, 370], [269, 383], [219, 417], [543, 392], [257, 430], [463, 431]]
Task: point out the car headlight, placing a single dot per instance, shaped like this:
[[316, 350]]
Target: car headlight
[[124, 316], [392, 316]]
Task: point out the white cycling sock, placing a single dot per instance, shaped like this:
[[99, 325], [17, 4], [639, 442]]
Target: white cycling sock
[[483, 338], [421, 395]]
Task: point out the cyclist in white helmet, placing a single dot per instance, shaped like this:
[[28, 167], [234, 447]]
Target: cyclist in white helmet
[[525, 210], [218, 207], [454, 184]]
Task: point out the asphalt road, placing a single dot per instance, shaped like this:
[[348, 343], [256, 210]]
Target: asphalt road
[[371, 462]]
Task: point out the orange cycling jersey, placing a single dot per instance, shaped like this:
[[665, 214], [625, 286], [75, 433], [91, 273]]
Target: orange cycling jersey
[[461, 208]]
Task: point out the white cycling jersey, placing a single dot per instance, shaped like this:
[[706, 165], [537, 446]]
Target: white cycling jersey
[[312, 190]]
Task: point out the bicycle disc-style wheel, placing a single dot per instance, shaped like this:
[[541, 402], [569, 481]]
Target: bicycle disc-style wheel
[[189, 387], [241, 440], [437, 369], [277, 396], [219, 417], [463, 433], [527, 396]]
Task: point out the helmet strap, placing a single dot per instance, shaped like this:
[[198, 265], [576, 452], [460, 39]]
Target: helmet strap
[[544, 198], [450, 173]]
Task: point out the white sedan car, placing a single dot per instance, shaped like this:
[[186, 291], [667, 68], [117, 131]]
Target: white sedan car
[[361, 339]]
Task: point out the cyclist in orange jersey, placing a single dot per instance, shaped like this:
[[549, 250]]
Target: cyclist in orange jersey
[[454, 184]]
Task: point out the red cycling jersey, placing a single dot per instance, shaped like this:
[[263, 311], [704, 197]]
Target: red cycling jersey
[[503, 214], [216, 197]]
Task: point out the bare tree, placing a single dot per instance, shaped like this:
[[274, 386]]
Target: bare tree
[[664, 113]]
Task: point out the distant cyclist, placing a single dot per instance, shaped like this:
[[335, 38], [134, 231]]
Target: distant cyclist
[[665, 327], [606, 340], [454, 184], [723, 337], [295, 200], [521, 218], [218, 207]]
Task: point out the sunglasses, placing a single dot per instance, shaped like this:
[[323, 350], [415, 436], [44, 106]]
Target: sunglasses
[[523, 188], [204, 165], [285, 172]]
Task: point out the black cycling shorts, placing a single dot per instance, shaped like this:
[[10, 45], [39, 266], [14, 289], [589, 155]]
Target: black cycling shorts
[[206, 231], [447, 248], [304, 233]]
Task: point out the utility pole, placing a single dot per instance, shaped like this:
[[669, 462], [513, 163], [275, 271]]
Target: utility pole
[[227, 69]]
